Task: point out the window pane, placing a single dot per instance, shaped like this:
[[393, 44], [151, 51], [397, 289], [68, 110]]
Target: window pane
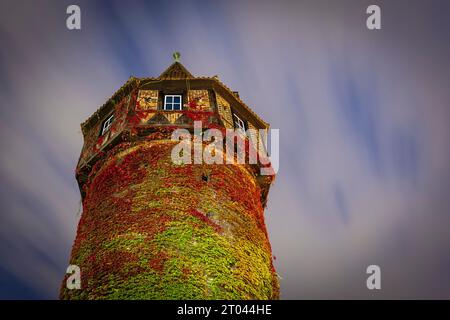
[[172, 102], [107, 124]]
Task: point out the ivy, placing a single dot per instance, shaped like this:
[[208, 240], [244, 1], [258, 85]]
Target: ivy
[[153, 230]]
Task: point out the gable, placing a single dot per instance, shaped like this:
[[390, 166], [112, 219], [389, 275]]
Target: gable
[[176, 71]]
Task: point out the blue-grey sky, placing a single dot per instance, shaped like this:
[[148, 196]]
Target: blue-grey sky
[[364, 119]]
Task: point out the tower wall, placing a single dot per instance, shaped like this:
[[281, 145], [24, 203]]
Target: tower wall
[[151, 229]]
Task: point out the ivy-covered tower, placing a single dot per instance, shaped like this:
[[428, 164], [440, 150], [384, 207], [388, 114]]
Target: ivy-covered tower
[[152, 228]]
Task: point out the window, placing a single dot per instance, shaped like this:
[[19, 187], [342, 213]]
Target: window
[[172, 102], [239, 123], [107, 124]]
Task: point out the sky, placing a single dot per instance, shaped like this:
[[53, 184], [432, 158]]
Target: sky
[[364, 120]]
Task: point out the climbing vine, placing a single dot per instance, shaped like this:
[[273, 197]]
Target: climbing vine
[[151, 229]]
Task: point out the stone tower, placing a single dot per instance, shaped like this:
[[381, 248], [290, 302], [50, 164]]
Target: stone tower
[[152, 228]]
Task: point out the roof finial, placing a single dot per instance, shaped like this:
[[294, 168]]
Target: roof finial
[[176, 56]]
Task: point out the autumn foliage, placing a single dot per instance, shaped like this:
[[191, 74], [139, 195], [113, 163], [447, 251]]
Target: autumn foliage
[[151, 229]]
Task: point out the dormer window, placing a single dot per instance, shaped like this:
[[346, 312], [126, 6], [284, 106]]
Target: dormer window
[[107, 124], [172, 102], [239, 123]]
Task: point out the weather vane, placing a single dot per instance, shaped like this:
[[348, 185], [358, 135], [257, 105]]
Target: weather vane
[[176, 56]]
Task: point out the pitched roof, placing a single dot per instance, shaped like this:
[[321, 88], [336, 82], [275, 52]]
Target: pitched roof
[[238, 99], [96, 115], [176, 71]]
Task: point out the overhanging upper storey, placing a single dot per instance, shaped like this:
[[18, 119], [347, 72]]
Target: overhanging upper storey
[[175, 99]]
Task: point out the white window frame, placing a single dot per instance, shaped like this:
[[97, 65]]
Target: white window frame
[[107, 124], [172, 103], [239, 123]]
